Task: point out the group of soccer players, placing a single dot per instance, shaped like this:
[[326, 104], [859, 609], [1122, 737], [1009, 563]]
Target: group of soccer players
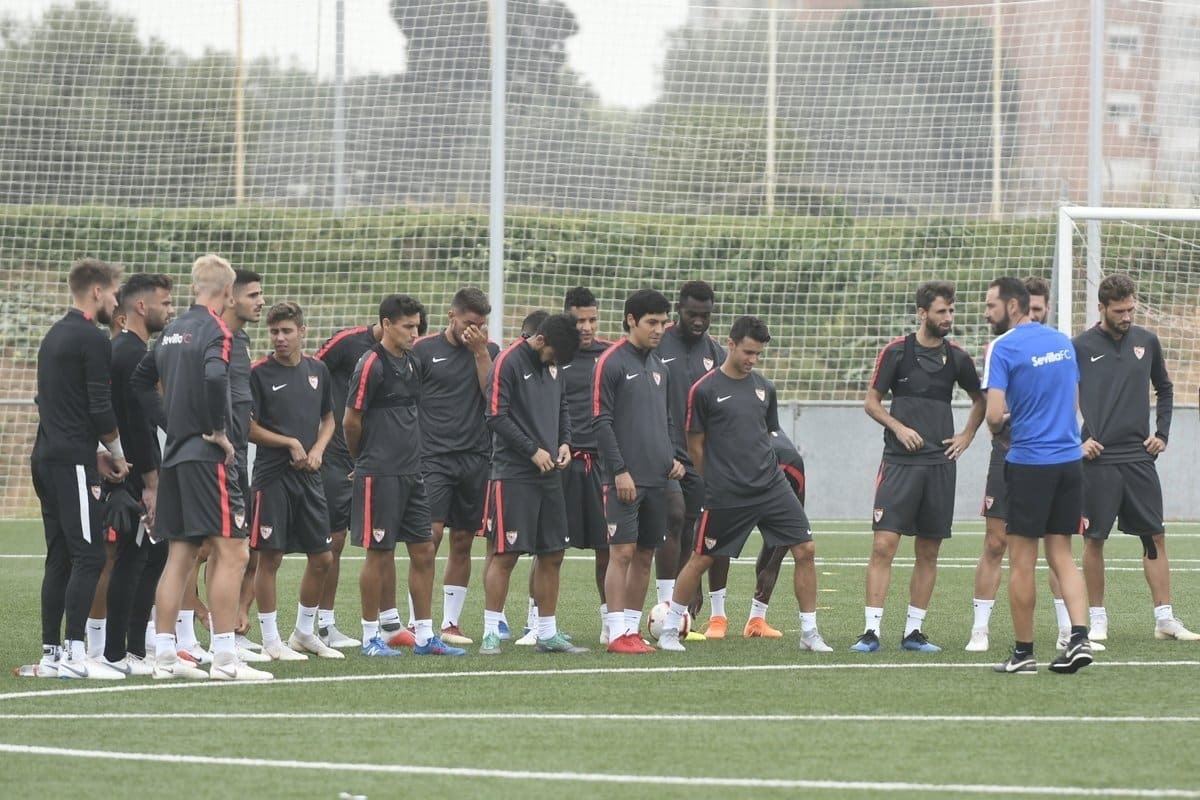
[[662, 448]]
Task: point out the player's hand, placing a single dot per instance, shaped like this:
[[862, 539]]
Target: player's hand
[[541, 459], [910, 439], [677, 470], [957, 444], [564, 457], [1154, 445], [315, 459], [221, 441], [120, 470], [104, 466], [626, 488], [1091, 449], [297, 454], [150, 501], [475, 338]]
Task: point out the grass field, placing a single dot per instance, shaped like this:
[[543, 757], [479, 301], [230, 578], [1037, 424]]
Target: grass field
[[726, 718]]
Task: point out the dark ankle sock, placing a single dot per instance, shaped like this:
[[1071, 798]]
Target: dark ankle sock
[[1078, 633], [1023, 649]]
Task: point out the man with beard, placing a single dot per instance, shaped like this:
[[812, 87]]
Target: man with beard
[[1032, 379], [914, 491]]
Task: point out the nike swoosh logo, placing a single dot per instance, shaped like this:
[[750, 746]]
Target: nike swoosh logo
[[1097, 358], [329, 540], [567, 366], [723, 399], [275, 388], [631, 377], [528, 375], [902, 380], [669, 360], [440, 360]]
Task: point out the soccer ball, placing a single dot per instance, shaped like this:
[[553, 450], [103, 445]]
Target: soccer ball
[[658, 616]]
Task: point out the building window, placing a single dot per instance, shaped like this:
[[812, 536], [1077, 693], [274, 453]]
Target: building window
[[1123, 107], [1123, 39]]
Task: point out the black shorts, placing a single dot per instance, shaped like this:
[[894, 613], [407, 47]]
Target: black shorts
[[777, 513], [290, 514], [1128, 493], [198, 499], [691, 485], [456, 484], [1044, 498], [915, 499], [642, 522], [339, 487], [387, 509], [995, 491], [583, 492], [69, 495], [527, 515]]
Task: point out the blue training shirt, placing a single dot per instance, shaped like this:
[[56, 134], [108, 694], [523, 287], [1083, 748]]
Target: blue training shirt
[[1036, 368]]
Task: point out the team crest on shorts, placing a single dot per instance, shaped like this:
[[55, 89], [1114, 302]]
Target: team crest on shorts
[[878, 514], [987, 501], [761, 394], [266, 531], [377, 534], [1139, 352], [554, 372], [1087, 523], [510, 537], [239, 520], [612, 529], [312, 381], [490, 524], [657, 377], [708, 363], [96, 491], [709, 542]]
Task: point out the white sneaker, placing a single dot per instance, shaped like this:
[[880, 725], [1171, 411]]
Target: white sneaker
[[811, 640], [309, 643], [528, 640], [334, 638], [669, 641], [139, 665], [604, 638], [89, 668], [196, 654], [228, 668], [1098, 631], [243, 642], [1064, 639], [1173, 629], [979, 641], [251, 656], [131, 666], [278, 651], [165, 670]]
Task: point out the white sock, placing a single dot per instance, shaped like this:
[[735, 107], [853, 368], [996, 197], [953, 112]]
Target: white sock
[[370, 630], [616, 625], [1097, 614], [603, 614], [874, 619], [305, 617], [165, 647], [412, 615], [453, 600], [225, 644], [531, 616], [717, 599], [75, 650], [674, 620], [1061, 614], [633, 620], [491, 622], [983, 613], [325, 618], [913, 621], [389, 619], [1164, 613], [269, 622], [151, 632], [423, 632], [547, 627], [808, 621], [758, 609], [95, 637], [185, 630], [665, 589]]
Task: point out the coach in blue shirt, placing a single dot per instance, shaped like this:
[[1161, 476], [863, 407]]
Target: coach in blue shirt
[[1032, 378]]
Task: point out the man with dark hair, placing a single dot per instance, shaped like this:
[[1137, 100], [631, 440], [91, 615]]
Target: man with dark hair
[[147, 307], [389, 504], [1118, 364], [688, 352], [455, 444], [1032, 378], [635, 434], [74, 412], [526, 512], [914, 491], [732, 412], [198, 499], [292, 424]]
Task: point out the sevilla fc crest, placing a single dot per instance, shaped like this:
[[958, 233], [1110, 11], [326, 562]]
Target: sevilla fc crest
[[1139, 352], [490, 524], [312, 381], [510, 537], [612, 529], [266, 531], [708, 363], [761, 394], [96, 491], [878, 514], [1087, 523], [377, 534], [239, 521], [554, 372], [709, 542], [987, 502], [657, 378]]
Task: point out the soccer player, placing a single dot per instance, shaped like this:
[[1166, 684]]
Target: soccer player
[[147, 307], [74, 412], [914, 491], [531, 431], [633, 425], [292, 424], [1118, 363], [995, 512], [688, 352], [1032, 376], [198, 499], [388, 503], [455, 444], [732, 412]]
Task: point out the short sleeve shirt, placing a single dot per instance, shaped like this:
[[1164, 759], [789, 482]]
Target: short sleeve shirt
[[387, 389], [290, 401]]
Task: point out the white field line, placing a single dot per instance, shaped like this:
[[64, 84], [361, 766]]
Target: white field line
[[122, 687], [597, 777]]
